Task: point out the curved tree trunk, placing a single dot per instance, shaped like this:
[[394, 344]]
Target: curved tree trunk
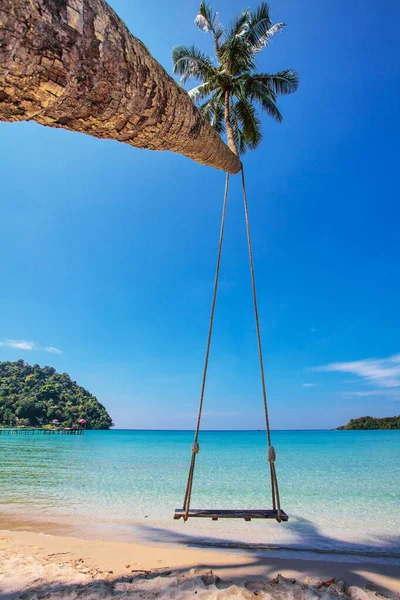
[[74, 64]]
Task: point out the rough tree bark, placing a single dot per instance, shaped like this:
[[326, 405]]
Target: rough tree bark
[[74, 64]]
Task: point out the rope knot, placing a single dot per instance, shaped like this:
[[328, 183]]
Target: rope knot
[[271, 454], [195, 447]]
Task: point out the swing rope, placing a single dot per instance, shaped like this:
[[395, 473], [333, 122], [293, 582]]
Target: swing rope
[[271, 450], [195, 445]]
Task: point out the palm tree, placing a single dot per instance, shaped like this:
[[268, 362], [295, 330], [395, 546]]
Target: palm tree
[[229, 89], [75, 65]]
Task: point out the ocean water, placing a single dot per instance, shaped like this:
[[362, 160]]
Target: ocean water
[[341, 489]]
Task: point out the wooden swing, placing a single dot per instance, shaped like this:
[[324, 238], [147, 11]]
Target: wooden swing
[[276, 512]]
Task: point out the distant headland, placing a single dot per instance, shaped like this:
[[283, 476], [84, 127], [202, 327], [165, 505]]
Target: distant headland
[[372, 423], [38, 397]]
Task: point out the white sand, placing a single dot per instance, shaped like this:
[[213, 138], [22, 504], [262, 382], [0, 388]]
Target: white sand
[[36, 566]]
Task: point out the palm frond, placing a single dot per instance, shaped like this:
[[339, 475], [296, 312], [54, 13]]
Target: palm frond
[[260, 14], [246, 116], [284, 82], [268, 105], [263, 41], [236, 56], [192, 63], [239, 25], [258, 23], [202, 91], [238, 136], [257, 92], [250, 87], [207, 21], [213, 112], [241, 142]]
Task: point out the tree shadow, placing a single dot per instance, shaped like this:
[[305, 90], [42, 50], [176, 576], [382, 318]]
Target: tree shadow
[[387, 549], [358, 564], [255, 576], [258, 563]]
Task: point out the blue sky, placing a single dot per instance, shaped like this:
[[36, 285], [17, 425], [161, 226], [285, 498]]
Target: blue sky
[[108, 252]]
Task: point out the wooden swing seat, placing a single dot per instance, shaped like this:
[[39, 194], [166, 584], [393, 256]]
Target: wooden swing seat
[[247, 515]]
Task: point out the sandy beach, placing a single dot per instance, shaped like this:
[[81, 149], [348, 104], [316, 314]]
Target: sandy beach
[[37, 565]]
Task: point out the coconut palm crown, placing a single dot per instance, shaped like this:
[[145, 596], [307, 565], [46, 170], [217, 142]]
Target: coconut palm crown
[[229, 89]]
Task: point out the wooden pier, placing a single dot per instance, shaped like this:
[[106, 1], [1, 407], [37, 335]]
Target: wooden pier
[[38, 431]]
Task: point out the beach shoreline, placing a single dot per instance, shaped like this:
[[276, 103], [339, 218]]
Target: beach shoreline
[[193, 534], [33, 562]]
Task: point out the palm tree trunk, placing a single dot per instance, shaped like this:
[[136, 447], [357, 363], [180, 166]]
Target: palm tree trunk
[[74, 64], [228, 125]]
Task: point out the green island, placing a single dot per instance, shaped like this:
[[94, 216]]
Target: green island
[[372, 423], [38, 396]]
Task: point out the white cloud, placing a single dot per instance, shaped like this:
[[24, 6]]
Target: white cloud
[[362, 393], [52, 350], [382, 372], [392, 393], [26, 345], [308, 384], [19, 344]]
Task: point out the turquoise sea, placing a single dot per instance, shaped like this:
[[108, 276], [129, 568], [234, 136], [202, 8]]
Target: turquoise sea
[[341, 489]]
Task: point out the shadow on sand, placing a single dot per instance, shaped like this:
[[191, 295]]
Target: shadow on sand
[[385, 550], [356, 565]]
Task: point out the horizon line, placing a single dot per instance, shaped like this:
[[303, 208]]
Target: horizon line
[[208, 430]]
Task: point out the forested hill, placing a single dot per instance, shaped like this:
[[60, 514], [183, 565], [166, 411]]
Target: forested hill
[[372, 423], [41, 395]]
